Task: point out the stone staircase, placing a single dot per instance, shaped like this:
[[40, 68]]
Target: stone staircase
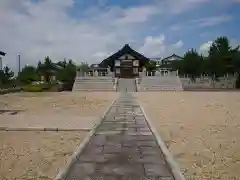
[[100, 83], [126, 85], [163, 83]]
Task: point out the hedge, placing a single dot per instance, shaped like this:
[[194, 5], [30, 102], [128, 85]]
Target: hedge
[[37, 87], [238, 83]]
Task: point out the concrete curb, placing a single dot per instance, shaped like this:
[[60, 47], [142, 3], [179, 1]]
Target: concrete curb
[[64, 171], [40, 129], [168, 157]]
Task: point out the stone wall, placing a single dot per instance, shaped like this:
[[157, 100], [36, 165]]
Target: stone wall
[[207, 83]]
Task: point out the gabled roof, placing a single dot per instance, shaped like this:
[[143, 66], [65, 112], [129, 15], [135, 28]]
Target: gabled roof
[[174, 55], [2, 53], [125, 50], [94, 66]]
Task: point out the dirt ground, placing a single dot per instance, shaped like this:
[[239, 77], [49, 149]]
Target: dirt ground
[[70, 103], [65, 110], [35, 155], [38, 155], [201, 129]]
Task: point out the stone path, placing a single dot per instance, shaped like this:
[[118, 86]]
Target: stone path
[[123, 148], [126, 85]]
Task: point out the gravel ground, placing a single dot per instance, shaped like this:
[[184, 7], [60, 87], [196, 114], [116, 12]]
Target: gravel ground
[[70, 103], [201, 130], [38, 155], [67, 110], [35, 155]]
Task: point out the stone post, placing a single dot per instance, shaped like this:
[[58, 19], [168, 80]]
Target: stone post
[[95, 73], [42, 78], [108, 70], [53, 78]]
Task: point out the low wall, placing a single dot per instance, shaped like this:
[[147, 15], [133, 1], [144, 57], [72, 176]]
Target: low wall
[[11, 90], [208, 83]]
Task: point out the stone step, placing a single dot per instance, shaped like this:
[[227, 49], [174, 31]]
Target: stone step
[[113, 90]]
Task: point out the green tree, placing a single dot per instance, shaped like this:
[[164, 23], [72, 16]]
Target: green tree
[[47, 69], [67, 73], [83, 67], [191, 63], [151, 65], [62, 64], [28, 75], [236, 61], [221, 57], [6, 75]]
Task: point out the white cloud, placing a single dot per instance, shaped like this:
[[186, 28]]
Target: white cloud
[[153, 46], [37, 29], [212, 21], [178, 44], [235, 42], [205, 47], [175, 27], [137, 14], [179, 6], [205, 34]]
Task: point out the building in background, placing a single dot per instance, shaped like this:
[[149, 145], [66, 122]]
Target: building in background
[[1, 54], [126, 63]]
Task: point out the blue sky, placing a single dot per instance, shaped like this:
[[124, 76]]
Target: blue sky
[[90, 30]]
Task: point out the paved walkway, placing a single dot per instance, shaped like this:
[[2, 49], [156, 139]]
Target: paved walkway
[[123, 148], [126, 85]]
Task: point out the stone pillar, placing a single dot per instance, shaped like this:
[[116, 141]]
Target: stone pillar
[[42, 78], [108, 70], [77, 74], [95, 73], [144, 71], [53, 78]]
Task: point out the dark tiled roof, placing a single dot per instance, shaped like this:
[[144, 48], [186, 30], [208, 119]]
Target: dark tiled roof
[[174, 55], [125, 50], [2, 53]]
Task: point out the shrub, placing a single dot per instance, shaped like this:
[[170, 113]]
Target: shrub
[[238, 83], [37, 87], [33, 88]]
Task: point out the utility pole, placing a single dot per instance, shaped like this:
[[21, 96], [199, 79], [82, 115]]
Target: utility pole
[[1, 63], [19, 63]]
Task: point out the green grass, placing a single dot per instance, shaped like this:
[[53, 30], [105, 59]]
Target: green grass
[[37, 87]]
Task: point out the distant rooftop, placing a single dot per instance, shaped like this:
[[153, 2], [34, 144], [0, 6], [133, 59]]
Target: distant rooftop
[[2, 53]]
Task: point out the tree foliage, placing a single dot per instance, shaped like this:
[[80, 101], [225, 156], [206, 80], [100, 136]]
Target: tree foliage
[[47, 69], [191, 63], [6, 75], [83, 67], [222, 59], [151, 65], [67, 72], [28, 74]]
